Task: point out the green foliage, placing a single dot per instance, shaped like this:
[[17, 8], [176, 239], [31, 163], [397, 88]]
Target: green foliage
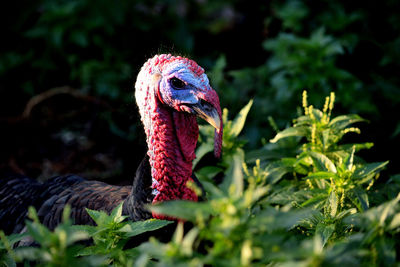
[[56, 248], [111, 234], [305, 209], [307, 205]]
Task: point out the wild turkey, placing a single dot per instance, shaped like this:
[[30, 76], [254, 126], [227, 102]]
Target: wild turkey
[[170, 92]]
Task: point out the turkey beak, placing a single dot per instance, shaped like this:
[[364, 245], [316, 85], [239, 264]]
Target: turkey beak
[[206, 111]]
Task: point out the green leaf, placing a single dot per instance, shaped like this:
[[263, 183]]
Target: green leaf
[[214, 191], [315, 200], [325, 138], [8, 261], [233, 179], [238, 122], [202, 150], [272, 219], [137, 228], [322, 162], [388, 209], [395, 223], [320, 175], [325, 232], [333, 203], [30, 253], [343, 121], [116, 213], [274, 172], [208, 172], [74, 236], [38, 232], [360, 198], [11, 239], [188, 240], [98, 216], [92, 250], [369, 169], [182, 209], [292, 131]]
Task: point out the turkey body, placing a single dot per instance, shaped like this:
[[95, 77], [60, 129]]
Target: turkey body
[[49, 198], [170, 91]]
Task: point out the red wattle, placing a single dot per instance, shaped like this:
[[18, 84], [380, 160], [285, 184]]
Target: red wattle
[[171, 153]]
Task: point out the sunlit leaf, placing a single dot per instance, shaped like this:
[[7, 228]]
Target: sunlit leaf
[[182, 209], [395, 223], [292, 131], [369, 169], [136, 228], [234, 176], [333, 203], [238, 122], [343, 121], [322, 162]]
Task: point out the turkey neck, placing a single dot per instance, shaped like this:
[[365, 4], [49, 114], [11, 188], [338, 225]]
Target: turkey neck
[[171, 140]]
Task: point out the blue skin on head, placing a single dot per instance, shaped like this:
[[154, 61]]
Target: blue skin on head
[[193, 85]]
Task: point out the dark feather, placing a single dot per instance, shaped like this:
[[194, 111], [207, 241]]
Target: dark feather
[[18, 192]]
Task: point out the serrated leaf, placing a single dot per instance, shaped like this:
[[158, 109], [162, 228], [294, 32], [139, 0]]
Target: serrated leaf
[[325, 232], [369, 169], [316, 200], [137, 228], [344, 213], [274, 172], [322, 162], [92, 250], [116, 213], [292, 131], [358, 147], [182, 209], [240, 119], [362, 198], [98, 216], [343, 121]]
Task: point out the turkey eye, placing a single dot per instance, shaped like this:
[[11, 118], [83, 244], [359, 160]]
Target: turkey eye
[[176, 83]]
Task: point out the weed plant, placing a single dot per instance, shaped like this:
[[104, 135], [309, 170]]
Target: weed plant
[[303, 199]]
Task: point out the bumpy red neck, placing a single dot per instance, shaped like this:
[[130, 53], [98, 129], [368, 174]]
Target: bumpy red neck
[[171, 139]]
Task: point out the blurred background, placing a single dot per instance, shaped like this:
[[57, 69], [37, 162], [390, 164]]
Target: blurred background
[[67, 70]]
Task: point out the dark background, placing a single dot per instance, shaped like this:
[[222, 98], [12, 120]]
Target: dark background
[[67, 70]]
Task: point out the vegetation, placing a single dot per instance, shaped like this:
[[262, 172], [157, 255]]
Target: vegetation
[[313, 191], [306, 201]]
